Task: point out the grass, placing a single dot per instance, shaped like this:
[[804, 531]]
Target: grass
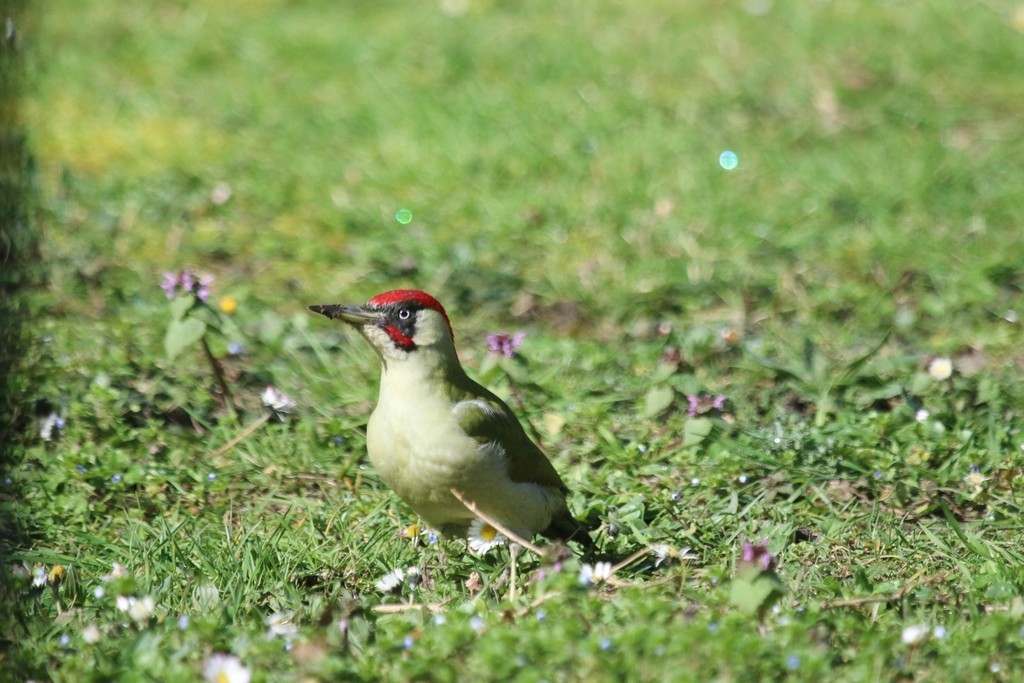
[[560, 167]]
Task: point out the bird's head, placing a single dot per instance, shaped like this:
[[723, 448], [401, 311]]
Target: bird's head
[[400, 325]]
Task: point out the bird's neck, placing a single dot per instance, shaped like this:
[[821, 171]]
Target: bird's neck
[[434, 370]]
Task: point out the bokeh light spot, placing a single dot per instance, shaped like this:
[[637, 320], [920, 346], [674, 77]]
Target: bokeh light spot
[[403, 216], [728, 160]]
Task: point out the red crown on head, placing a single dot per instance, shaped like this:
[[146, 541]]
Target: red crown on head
[[397, 296]]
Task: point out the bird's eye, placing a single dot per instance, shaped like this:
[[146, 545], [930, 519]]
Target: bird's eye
[[404, 314]]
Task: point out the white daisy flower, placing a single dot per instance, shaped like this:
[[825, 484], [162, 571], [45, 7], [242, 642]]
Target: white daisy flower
[[912, 635], [222, 668], [139, 609], [940, 368], [280, 624], [39, 576], [91, 634], [277, 400], [413, 576], [391, 581], [667, 552], [116, 573], [51, 422], [220, 194], [594, 574], [976, 479], [483, 537]]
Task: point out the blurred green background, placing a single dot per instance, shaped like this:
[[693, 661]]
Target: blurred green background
[[554, 168], [570, 152]]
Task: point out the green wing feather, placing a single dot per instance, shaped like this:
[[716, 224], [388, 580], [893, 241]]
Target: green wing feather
[[486, 418]]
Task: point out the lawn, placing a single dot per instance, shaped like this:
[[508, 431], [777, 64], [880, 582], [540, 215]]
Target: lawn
[[766, 256]]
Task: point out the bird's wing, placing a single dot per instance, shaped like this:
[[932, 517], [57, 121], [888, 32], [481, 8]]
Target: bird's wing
[[488, 420]]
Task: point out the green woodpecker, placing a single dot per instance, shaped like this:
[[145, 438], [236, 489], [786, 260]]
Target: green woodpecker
[[434, 429]]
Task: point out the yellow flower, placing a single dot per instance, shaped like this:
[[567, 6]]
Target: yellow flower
[[56, 574], [228, 304]]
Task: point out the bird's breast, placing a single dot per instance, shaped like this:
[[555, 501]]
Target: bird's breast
[[421, 453]]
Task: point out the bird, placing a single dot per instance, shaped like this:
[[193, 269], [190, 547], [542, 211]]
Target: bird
[[436, 436]]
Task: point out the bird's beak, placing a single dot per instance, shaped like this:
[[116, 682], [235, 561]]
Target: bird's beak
[[356, 315]]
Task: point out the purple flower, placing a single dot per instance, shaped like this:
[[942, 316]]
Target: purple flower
[[704, 403], [203, 290], [757, 555], [504, 344], [694, 405], [169, 284], [187, 283]]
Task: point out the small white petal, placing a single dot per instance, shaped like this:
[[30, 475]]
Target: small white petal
[[141, 609], [223, 668], [940, 368], [39, 576], [280, 624], [597, 573], [116, 573], [913, 635], [390, 581], [276, 400], [91, 634]]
